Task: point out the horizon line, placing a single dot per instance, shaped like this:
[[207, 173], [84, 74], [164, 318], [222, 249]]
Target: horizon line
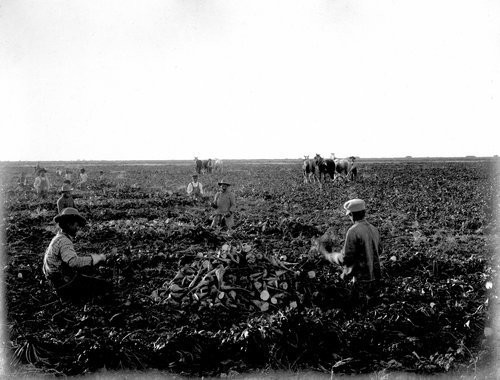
[[250, 159]]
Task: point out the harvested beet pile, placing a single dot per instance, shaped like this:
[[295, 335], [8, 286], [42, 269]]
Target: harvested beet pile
[[237, 277], [192, 300]]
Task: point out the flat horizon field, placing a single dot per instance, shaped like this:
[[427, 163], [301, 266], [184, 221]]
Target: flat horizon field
[[435, 314]]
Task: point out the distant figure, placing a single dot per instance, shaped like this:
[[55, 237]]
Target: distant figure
[[58, 172], [101, 182], [218, 166], [68, 174], [41, 184], [225, 205], [353, 169], [194, 188], [83, 179], [66, 199], [23, 181], [198, 165]]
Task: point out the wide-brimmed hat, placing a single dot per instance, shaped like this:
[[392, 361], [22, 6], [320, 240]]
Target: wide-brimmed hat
[[194, 175], [42, 170], [65, 187], [354, 205], [222, 182], [70, 213]]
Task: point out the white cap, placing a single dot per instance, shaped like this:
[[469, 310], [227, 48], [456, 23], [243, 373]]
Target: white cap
[[354, 205]]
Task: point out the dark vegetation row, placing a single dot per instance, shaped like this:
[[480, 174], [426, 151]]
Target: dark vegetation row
[[436, 221]]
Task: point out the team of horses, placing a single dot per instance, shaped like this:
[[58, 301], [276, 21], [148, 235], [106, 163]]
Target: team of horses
[[208, 166], [319, 169]]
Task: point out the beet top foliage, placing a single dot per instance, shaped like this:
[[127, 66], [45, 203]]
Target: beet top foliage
[[269, 305]]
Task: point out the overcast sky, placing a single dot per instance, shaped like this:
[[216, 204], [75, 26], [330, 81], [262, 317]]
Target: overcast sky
[[174, 79]]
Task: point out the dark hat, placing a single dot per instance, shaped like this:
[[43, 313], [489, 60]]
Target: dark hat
[[70, 213], [195, 175], [42, 170], [222, 182]]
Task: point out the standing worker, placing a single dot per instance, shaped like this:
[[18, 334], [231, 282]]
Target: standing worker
[[194, 188], [68, 174], [353, 169], [42, 183], [66, 199], [22, 180], [225, 205], [83, 179], [360, 254]]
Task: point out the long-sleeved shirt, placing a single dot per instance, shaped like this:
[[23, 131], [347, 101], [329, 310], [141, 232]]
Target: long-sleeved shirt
[[41, 184], [194, 188], [225, 202], [64, 202], [60, 261], [361, 251]]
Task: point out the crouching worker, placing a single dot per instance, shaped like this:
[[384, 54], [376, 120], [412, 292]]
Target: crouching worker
[[71, 275], [360, 255], [224, 204]]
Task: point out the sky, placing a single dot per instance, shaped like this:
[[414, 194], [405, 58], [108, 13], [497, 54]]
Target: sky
[[235, 79]]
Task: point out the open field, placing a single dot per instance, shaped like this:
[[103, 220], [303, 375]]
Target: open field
[[437, 218]]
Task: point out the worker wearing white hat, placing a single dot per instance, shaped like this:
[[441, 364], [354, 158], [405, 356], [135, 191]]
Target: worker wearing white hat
[[361, 251]]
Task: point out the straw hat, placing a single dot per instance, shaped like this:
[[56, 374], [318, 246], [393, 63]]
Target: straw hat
[[70, 213]]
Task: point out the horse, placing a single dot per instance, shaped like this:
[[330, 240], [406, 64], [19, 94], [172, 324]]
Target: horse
[[325, 167], [207, 166], [345, 168], [309, 170]]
